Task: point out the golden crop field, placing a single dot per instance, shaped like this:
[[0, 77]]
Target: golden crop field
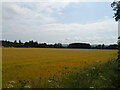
[[33, 63]]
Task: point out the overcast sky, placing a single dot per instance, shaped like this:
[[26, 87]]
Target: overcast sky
[[63, 22]]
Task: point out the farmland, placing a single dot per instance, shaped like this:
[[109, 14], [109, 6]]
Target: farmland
[[34, 63]]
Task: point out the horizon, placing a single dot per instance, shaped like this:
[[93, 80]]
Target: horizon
[[60, 43]]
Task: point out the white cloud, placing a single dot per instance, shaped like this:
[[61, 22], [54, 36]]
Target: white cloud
[[57, 1], [41, 12], [28, 21], [0, 21], [99, 32]]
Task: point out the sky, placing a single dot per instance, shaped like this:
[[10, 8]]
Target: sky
[[59, 22]]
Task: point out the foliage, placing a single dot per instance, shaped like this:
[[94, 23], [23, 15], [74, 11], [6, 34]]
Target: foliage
[[35, 44], [79, 45], [103, 75], [116, 7]]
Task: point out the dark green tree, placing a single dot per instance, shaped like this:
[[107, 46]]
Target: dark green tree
[[58, 45], [103, 46], [116, 7], [20, 43], [15, 43]]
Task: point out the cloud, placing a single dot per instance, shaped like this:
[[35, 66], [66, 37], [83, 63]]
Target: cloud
[[57, 1], [99, 32], [0, 21], [28, 12], [34, 21]]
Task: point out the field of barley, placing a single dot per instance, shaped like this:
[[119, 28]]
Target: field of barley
[[39, 63]]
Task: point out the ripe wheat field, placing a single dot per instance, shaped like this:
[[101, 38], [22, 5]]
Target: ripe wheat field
[[33, 63]]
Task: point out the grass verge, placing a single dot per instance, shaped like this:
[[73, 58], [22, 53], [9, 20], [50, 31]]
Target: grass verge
[[102, 75]]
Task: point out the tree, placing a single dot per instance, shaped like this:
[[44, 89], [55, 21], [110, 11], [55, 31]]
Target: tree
[[20, 43], [113, 46], [119, 48], [58, 45], [15, 43], [79, 45], [103, 46], [116, 7]]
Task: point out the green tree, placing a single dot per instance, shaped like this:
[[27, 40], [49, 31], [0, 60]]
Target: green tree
[[58, 45], [116, 7], [103, 46], [15, 43], [20, 43]]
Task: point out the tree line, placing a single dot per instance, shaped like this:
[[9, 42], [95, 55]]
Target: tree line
[[116, 7], [35, 44]]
